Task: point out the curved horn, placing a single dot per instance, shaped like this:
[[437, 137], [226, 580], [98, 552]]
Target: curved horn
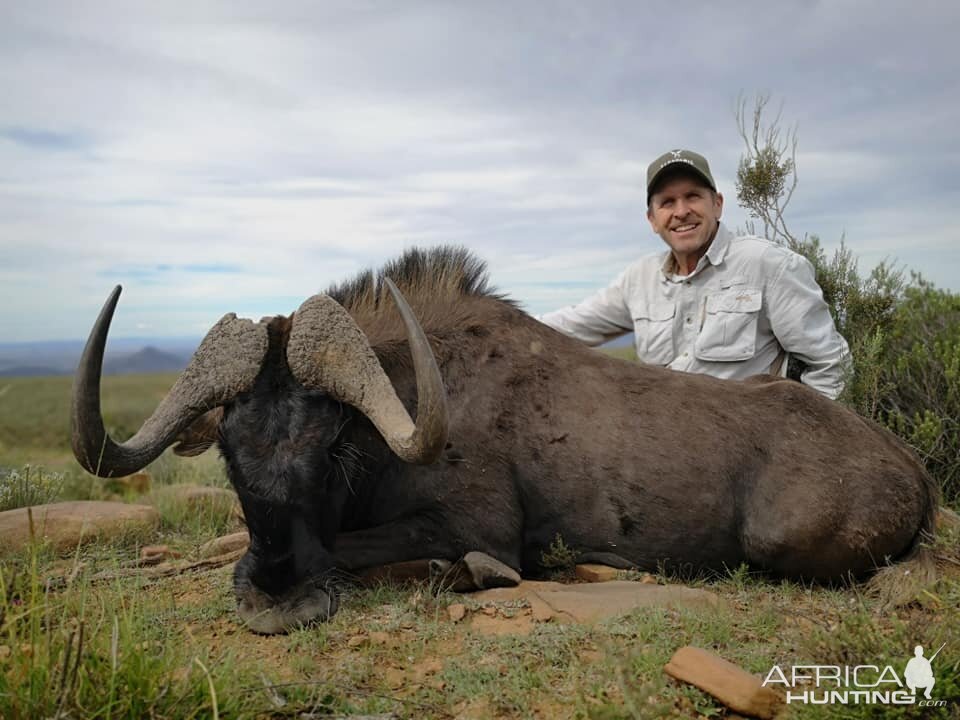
[[328, 352], [226, 363]]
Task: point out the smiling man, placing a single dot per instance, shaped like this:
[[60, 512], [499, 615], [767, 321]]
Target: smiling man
[[715, 303]]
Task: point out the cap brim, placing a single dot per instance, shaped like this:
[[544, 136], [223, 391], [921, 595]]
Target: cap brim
[[677, 168]]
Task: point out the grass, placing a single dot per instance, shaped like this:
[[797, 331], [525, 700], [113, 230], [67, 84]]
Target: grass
[[174, 648]]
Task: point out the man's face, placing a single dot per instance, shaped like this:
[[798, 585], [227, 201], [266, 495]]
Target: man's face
[[684, 212]]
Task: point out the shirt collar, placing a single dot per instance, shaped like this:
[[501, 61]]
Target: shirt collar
[[714, 255]]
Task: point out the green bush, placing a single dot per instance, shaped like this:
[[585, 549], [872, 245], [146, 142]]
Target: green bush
[[920, 369], [905, 341], [904, 336]]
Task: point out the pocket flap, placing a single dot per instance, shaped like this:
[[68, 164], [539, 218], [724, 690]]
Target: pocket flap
[[739, 300], [656, 311]]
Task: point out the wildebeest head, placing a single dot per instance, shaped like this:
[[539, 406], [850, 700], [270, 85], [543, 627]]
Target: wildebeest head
[[287, 387]]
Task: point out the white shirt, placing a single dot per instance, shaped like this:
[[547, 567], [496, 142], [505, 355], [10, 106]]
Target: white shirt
[[746, 299]]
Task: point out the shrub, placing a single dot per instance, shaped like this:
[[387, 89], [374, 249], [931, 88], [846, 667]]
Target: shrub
[[28, 486], [920, 371], [904, 336]]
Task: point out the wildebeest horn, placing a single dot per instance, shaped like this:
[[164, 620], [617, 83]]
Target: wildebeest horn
[[327, 351], [226, 363]]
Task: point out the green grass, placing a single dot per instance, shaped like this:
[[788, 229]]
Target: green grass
[[174, 648], [35, 413]]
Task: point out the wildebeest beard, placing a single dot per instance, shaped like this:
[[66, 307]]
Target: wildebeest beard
[[535, 436]]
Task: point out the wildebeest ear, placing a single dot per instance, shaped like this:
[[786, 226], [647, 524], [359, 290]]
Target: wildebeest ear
[[200, 435]]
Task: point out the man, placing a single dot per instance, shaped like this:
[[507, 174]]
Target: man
[[716, 303]]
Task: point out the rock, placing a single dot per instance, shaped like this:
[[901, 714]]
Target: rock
[[592, 602], [225, 544], [733, 686], [457, 612], [153, 554], [594, 573], [356, 641], [648, 579], [65, 524]]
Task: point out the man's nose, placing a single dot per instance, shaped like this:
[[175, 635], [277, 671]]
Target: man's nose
[[680, 209]]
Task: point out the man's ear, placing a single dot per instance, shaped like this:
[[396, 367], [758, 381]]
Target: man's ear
[[719, 197], [201, 434]]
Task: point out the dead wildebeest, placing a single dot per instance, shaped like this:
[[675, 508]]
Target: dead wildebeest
[[521, 435]]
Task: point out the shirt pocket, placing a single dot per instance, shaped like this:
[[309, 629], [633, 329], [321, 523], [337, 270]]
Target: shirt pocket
[[729, 331], [653, 332]]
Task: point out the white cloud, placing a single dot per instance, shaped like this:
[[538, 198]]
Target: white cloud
[[297, 145]]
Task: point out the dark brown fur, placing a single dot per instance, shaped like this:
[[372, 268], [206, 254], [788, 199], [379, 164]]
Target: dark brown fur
[[624, 461]]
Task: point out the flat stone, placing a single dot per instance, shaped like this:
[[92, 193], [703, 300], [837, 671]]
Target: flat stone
[[225, 544], [593, 572], [66, 524], [457, 612], [732, 685], [593, 602]]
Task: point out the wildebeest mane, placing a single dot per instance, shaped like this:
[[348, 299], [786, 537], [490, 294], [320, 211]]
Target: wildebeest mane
[[442, 285]]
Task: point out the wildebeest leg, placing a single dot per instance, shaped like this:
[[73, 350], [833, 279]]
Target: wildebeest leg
[[411, 538], [474, 571], [417, 570], [607, 558]]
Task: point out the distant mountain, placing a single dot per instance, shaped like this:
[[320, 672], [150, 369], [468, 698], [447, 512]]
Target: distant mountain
[[147, 360], [30, 371], [123, 355]]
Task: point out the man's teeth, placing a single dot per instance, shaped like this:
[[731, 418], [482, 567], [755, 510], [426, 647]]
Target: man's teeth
[[684, 228]]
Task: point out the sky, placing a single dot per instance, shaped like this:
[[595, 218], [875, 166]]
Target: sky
[[240, 156]]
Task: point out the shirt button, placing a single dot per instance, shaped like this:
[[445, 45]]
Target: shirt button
[[685, 354], [689, 320]]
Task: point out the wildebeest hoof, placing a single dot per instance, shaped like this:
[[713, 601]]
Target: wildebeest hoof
[[478, 571], [488, 572]]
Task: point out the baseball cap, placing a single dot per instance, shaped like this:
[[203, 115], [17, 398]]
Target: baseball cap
[[671, 159]]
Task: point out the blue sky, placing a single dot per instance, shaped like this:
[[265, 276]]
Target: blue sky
[[222, 157]]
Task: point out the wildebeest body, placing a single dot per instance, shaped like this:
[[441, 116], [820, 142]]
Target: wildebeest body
[[547, 438], [551, 438]]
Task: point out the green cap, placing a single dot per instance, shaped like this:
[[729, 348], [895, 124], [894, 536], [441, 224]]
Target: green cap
[[671, 160]]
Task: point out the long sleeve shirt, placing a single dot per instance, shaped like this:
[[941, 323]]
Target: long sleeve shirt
[[746, 301]]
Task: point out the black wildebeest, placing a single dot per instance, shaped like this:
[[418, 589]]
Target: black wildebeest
[[521, 434]]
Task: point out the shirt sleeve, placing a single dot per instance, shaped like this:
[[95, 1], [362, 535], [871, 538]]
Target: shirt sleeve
[[801, 321], [601, 317]]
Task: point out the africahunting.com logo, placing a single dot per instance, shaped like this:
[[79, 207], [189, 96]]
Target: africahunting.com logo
[[859, 684]]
